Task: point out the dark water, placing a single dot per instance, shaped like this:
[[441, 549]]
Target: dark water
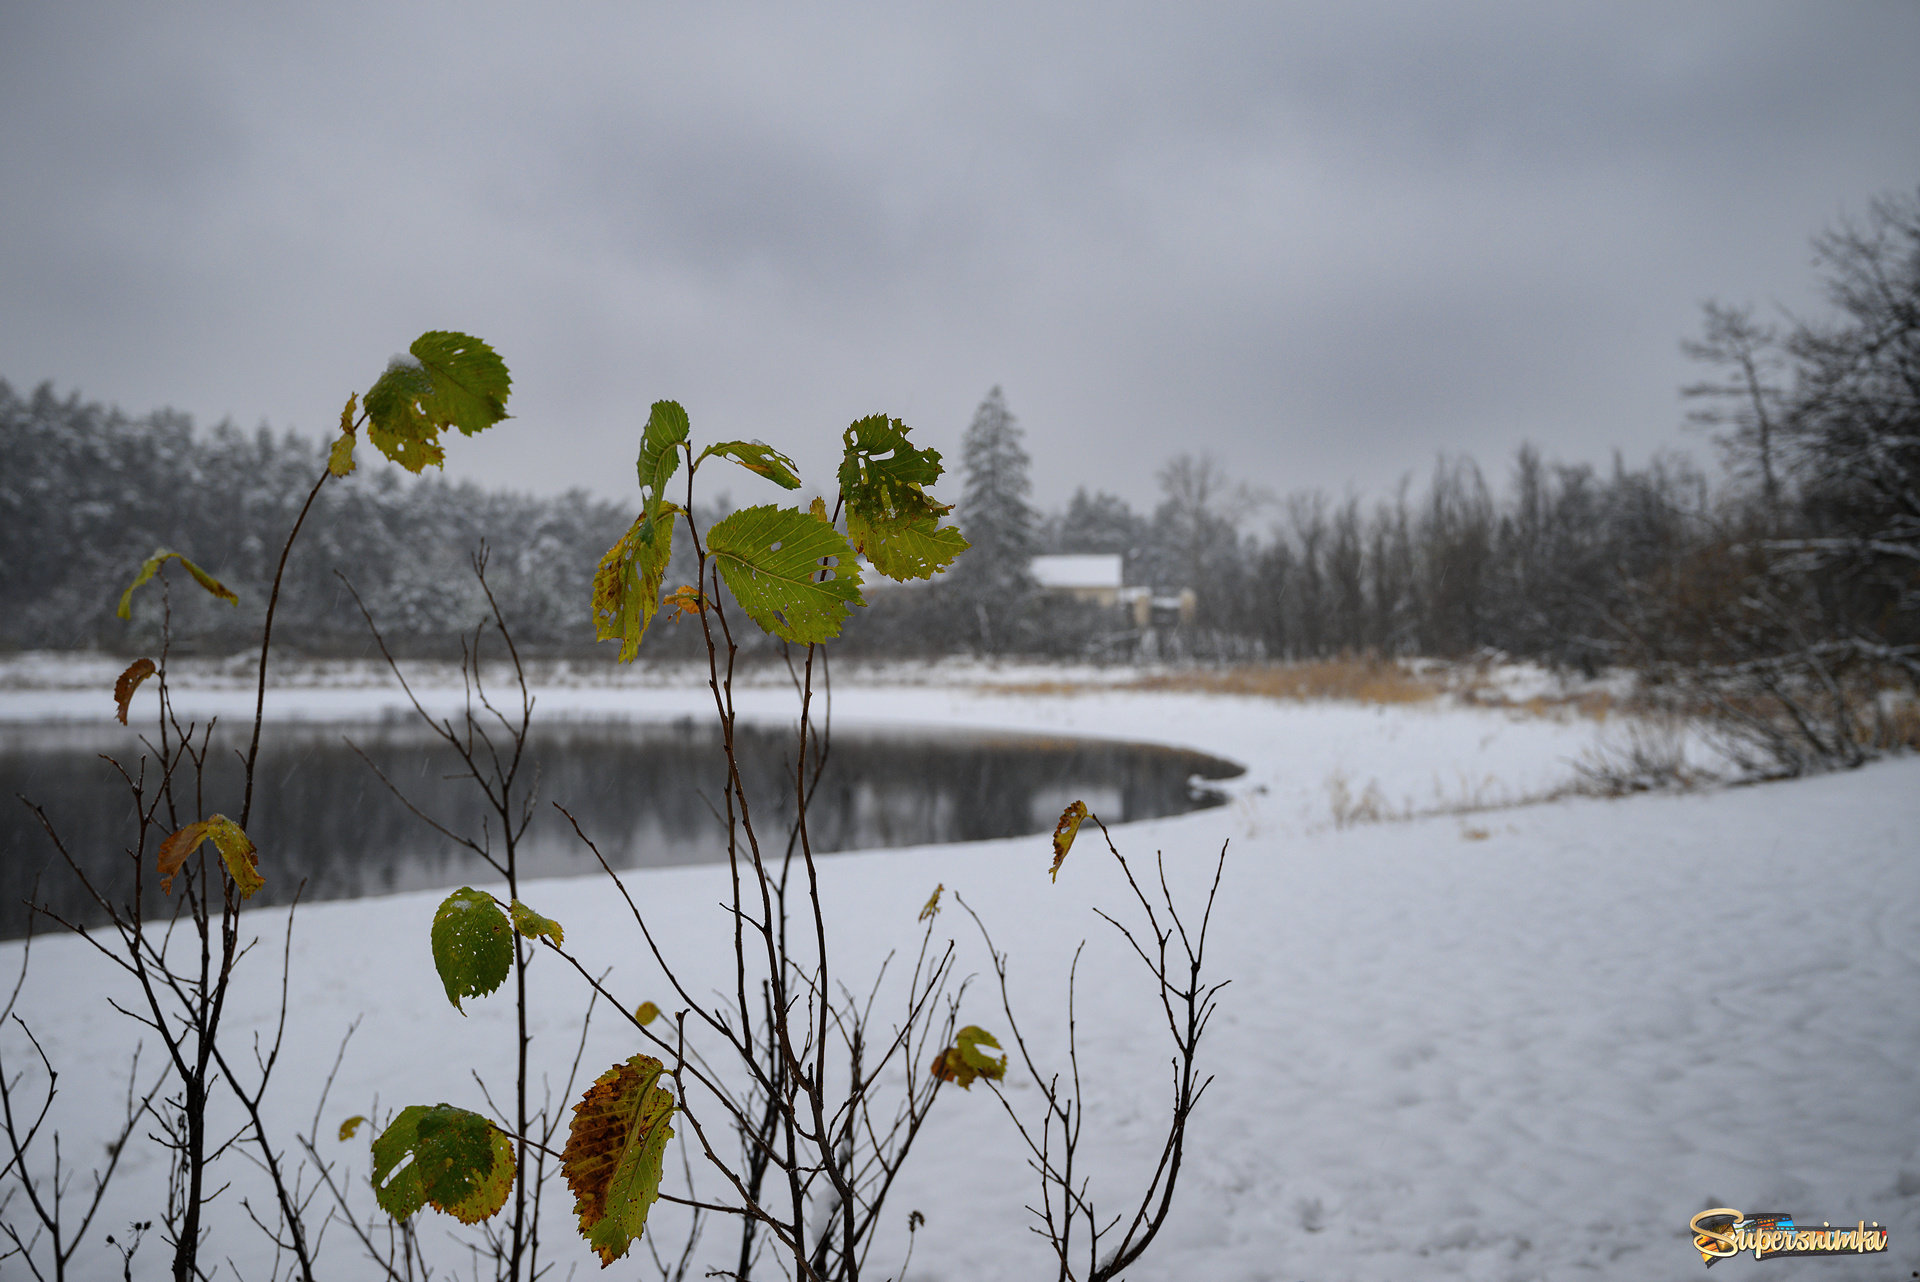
[[646, 793]]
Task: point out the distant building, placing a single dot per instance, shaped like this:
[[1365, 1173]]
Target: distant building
[[1100, 579]]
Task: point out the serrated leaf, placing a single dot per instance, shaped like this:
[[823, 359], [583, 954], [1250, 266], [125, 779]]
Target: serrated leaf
[[151, 566], [137, 671], [340, 457], [626, 585], [770, 558], [533, 925], [614, 1154], [451, 380], [472, 945], [906, 549], [660, 443], [964, 1061], [1064, 832], [757, 456], [932, 909], [235, 848], [449, 1158], [351, 1127], [891, 518], [646, 1013]]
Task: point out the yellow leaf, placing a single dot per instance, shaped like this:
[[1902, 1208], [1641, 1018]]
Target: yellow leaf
[[963, 1061], [349, 1127], [646, 1012], [614, 1152], [1064, 832], [684, 600], [932, 909], [137, 671], [340, 459], [236, 851]]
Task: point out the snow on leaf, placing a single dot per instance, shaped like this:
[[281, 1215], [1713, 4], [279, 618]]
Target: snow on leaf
[[757, 456], [351, 1127], [533, 925], [932, 909], [890, 517], [472, 945], [1064, 832], [151, 566], [771, 559], [452, 380], [137, 671], [615, 1146], [963, 1061], [449, 1158], [236, 851]]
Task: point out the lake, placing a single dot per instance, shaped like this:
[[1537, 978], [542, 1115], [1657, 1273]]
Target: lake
[[647, 792]]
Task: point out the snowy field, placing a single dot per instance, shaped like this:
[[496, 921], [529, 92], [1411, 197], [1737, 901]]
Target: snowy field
[[1520, 1042]]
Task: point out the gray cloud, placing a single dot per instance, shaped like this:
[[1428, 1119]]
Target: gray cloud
[[1322, 242]]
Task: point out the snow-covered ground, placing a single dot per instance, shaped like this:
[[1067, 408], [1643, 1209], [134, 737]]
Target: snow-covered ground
[[1525, 1042]]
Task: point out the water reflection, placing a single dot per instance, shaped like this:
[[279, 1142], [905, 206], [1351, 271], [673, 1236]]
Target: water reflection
[[647, 793]]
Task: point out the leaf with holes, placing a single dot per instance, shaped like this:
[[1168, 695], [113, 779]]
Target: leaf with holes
[[1064, 832], [626, 586], [351, 1127], [891, 518], [963, 1061], [660, 443], [236, 851], [533, 925], [137, 671], [151, 566], [451, 1159], [614, 1152], [757, 456], [683, 601], [447, 380], [472, 945], [340, 457], [771, 559]]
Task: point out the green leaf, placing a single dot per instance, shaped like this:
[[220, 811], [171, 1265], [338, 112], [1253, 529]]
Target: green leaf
[[660, 451], [151, 566], [626, 585], [340, 457], [460, 1163], [533, 925], [891, 518], [472, 945], [451, 380], [918, 548], [771, 560], [236, 851], [1064, 832], [963, 1061], [757, 456], [614, 1153]]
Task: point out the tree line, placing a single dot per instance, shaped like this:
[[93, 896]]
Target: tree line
[[1797, 565]]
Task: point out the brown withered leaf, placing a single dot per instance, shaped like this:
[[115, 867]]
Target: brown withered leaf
[[614, 1152], [137, 671], [1064, 832]]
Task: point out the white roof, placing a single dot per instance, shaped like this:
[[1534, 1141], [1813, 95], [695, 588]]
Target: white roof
[[1096, 570]]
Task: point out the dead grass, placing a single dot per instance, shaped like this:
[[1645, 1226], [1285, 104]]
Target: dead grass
[[1356, 680]]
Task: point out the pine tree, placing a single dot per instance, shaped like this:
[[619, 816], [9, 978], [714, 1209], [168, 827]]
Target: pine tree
[[992, 579]]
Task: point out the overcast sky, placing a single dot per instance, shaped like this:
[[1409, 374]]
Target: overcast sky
[[1323, 243]]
